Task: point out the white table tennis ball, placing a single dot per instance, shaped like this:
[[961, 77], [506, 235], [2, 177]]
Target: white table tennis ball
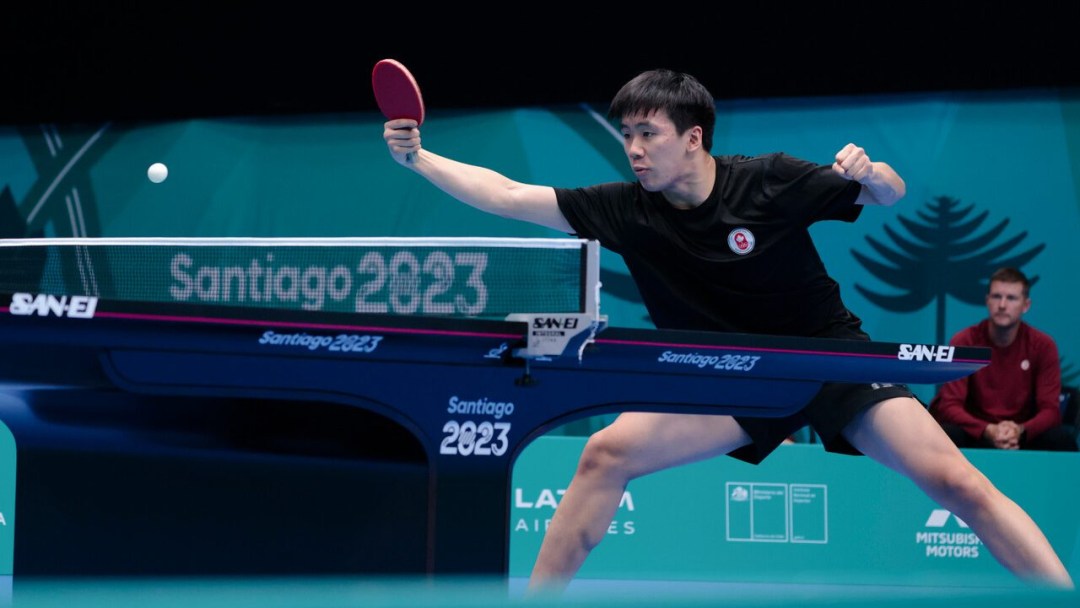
[[157, 173]]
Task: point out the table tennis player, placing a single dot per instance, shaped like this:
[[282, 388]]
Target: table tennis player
[[722, 243]]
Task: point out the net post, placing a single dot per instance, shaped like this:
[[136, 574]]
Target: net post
[[557, 334]]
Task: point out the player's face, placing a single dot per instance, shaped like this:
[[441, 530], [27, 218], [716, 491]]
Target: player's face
[[658, 154], [1006, 303]]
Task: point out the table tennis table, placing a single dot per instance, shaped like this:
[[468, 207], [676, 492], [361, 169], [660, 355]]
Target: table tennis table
[[473, 391]]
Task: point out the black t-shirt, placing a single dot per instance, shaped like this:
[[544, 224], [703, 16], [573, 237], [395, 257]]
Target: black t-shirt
[[742, 261]]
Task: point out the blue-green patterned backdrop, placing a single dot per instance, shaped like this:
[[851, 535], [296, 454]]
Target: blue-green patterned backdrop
[[992, 180]]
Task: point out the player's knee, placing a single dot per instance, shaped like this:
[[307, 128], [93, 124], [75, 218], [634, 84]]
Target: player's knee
[[962, 486], [602, 455]]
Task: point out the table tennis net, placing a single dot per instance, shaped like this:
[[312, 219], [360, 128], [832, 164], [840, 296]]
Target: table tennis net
[[446, 277]]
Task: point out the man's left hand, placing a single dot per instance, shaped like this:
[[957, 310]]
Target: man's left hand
[[853, 163]]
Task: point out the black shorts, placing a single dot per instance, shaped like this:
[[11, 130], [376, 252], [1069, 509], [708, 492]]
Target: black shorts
[[832, 409]]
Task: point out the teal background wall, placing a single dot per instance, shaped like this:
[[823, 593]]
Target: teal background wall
[[1005, 166], [803, 516], [8, 462], [992, 179]]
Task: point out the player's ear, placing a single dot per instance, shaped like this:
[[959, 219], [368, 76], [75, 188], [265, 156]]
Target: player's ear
[[693, 141]]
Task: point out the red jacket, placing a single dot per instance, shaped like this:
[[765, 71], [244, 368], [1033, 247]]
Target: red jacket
[[1022, 383]]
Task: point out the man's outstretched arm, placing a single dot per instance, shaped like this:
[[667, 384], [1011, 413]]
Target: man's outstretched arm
[[476, 186]]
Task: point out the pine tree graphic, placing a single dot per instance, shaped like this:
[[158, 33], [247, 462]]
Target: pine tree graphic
[[945, 255]]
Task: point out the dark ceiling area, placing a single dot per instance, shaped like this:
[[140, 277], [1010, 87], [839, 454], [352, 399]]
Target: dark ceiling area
[[75, 61]]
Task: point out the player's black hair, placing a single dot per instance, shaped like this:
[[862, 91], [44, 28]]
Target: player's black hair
[[685, 100]]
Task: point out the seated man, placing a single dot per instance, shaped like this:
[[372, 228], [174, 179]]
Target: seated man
[[1012, 403]]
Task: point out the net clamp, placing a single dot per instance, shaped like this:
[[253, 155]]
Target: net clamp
[[557, 334]]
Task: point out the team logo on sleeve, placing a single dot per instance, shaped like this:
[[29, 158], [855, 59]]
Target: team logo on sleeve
[[741, 241]]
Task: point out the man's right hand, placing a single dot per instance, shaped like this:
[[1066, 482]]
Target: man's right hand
[[1003, 435], [402, 137]]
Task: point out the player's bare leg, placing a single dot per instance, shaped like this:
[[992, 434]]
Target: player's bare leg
[[635, 444], [902, 435]]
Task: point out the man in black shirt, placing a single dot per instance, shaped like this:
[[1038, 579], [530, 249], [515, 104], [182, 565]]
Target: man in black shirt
[[721, 243]]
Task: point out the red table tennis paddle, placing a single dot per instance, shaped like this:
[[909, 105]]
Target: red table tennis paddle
[[396, 93]]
